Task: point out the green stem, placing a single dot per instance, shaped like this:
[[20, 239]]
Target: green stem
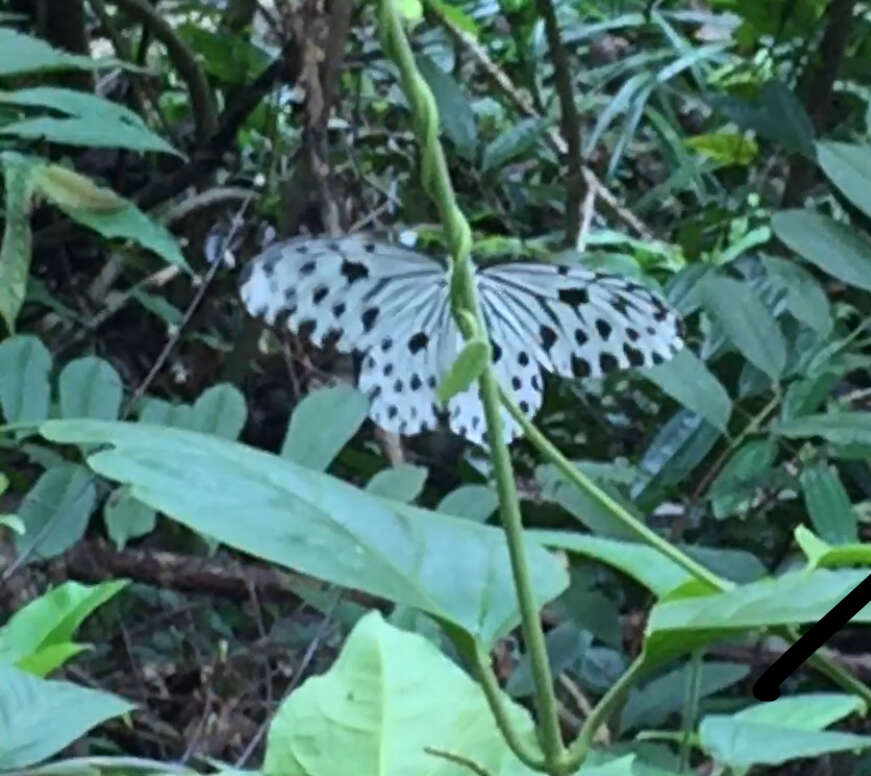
[[496, 700], [579, 479], [823, 664], [602, 710], [437, 183]]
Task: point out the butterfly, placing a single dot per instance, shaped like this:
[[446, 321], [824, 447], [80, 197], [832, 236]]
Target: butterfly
[[391, 305]]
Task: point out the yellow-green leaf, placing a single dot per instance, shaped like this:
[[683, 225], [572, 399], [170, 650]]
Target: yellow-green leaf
[[67, 188], [17, 238], [725, 147]]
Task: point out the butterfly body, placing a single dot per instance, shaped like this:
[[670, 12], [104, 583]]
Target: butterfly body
[[392, 305]]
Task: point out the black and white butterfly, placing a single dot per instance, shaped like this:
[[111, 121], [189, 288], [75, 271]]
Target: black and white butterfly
[[391, 304]]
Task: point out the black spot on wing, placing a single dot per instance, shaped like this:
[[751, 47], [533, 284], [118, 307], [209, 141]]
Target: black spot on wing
[[604, 328], [574, 296], [339, 309], [245, 274], [353, 271], [522, 358], [580, 366], [548, 337], [307, 268], [369, 317], [319, 293], [635, 356], [607, 362], [418, 342], [581, 337], [415, 383]]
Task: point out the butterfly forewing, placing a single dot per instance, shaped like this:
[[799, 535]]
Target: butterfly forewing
[[392, 305]]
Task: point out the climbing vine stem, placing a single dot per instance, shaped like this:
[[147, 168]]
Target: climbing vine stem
[[437, 183]]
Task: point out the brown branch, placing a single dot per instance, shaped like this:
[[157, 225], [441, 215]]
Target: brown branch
[[202, 102], [569, 121]]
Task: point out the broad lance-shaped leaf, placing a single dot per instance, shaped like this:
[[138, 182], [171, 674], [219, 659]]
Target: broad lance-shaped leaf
[[449, 567], [17, 238], [745, 320], [837, 249], [467, 368], [848, 166]]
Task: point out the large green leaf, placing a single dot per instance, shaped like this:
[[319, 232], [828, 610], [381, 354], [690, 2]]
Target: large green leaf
[[389, 697], [674, 626], [24, 386], [449, 567], [848, 166], [785, 729], [400, 483], [322, 424], [39, 717], [689, 381], [746, 322], [90, 121], [835, 248]]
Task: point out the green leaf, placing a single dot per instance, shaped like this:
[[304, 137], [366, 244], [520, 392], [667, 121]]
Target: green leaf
[[645, 565], [512, 142], [475, 502], [747, 469], [220, 410], [848, 166], [24, 386], [796, 597], [400, 483], [451, 568], [126, 518], [839, 428], [686, 379], [322, 424], [25, 54], [411, 10], [456, 116], [746, 322], [90, 121], [678, 447], [470, 363], [785, 729], [40, 717], [90, 388], [56, 511], [805, 395], [827, 504], [162, 413], [402, 696], [835, 248], [17, 238], [805, 298], [131, 223], [650, 705], [725, 147], [776, 114], [53, 618]]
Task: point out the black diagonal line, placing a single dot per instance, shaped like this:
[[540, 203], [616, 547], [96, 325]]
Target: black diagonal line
[[767, 687]]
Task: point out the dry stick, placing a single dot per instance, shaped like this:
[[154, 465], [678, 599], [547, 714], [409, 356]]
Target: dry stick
[[569, 120], [553, 137]]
